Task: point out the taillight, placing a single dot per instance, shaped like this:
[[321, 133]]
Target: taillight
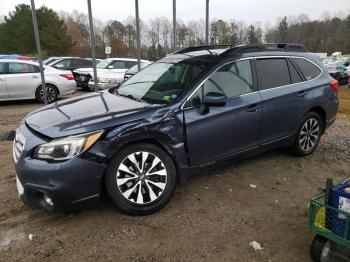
[[68, 76], [334, 84]]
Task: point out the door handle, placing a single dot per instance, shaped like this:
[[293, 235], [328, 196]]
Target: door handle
[[302, 94], [35, 76], [253, 108]]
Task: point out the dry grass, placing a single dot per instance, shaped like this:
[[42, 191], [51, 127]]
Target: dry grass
[[344, 102]]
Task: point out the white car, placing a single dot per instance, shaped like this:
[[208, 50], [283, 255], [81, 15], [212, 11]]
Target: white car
[[114, 67], [111, 78], [20, 79]]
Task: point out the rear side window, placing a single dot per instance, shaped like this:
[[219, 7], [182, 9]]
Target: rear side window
[[309, 70], [272, 72], [21, 68], [294, 75]]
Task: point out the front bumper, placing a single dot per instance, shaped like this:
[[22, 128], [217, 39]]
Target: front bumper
[[71, 185], [101, 86], [81, 79]]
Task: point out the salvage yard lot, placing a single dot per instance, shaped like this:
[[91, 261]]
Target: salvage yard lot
[[214, 216]]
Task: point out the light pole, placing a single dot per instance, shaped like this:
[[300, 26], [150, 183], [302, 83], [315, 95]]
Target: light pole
[[138, 40], [174, 25], [92, 43], [207, 23], [38, 49]]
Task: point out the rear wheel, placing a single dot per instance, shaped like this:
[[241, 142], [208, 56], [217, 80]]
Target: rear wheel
[[308, 135], [51, 91], [141, 179]]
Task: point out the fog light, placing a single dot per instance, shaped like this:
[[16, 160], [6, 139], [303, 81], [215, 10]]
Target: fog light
[[48, 200]]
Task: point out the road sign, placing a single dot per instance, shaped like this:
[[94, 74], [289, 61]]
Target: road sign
[[108, 50]]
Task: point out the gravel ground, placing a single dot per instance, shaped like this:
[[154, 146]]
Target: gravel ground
[[213, 217]]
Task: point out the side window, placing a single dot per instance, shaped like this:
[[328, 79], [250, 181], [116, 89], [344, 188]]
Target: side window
[[132, 63], [2, 68], [272, 72], [309, 70], [63, 63], [294, 75], [233, 80], [119, 65], [21, 68]]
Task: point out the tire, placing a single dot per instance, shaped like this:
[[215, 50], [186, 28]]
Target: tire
[[52, 92], [308, 135], [321, 249], [130, 170]]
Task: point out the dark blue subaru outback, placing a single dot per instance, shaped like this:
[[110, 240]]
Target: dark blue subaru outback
[[193, 108]]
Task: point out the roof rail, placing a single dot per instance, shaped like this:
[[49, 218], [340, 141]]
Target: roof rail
[[286, 47], [200, 48]]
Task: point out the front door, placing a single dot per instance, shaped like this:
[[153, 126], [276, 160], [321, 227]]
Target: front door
[[229, 129]]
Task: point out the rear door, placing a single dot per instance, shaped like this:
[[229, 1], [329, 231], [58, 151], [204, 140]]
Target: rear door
[[229, 129], [22, 79], [283, 94], [3, 90]]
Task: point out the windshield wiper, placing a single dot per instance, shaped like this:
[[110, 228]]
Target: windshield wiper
[[130, 96]]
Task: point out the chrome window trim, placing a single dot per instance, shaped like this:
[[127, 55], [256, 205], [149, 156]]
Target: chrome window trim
[[182, 107]]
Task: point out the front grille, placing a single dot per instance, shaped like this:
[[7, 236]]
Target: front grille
[[18, 145]]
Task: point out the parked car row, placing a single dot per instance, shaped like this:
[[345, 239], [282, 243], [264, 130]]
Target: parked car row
[[110, 72], [20, 78]]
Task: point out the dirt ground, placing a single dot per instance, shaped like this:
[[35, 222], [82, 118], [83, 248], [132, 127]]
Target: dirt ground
[[213, 217]]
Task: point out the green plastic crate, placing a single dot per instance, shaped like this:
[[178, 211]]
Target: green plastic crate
[[322, 219]]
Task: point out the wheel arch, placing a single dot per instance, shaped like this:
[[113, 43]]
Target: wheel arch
[[180, 166], [322, 113]]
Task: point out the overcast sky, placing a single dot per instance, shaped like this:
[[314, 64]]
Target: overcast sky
[[249, 11]]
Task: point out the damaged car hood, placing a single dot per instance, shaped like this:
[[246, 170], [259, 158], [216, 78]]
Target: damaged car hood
[[86, 113]]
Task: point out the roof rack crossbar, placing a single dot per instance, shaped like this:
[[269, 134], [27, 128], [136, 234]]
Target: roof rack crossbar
[[201, 48], [286, 47]]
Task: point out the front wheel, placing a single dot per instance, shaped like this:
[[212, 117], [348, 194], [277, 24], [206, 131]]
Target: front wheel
[[308, 135], [141, 179], [51, 91], [321, 249]]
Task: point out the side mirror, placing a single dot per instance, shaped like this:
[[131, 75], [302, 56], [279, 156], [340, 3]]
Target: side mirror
[[212, 99], [110, 67]]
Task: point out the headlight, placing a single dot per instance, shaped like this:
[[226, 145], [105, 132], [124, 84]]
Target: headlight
[[107, 80], [67, 148]]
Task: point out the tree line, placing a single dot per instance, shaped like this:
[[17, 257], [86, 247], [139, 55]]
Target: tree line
[[67, 34]]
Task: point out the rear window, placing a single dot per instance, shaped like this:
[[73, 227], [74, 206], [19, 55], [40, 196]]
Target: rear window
[[272, 72], [309, 70]]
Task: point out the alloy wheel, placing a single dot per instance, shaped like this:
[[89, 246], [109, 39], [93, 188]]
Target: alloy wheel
[[309, 134], [51, 94], [141, 177]]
